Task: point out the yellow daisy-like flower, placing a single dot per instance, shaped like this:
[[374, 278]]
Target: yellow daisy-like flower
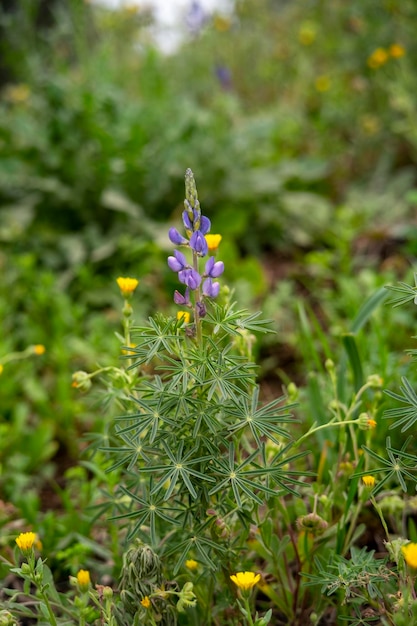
[[396, 50], [83, 579], [307, 34], [25, 541], [213, 242], [191, 564], [127, 285], [371, 423], [39, 349], [245, 580], [322, 83], [368, 481], [184, 316], [410, 554], [378, 57], [145, 602]]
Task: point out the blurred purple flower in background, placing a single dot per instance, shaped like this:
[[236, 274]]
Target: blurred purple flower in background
[[195, 18], [224, 76]]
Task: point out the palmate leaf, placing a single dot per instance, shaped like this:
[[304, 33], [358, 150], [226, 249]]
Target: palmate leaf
[[408, 413], [151, 508], [262, 420], [133, 451], [404, 293], [395, 466], [180, 466], [225, 375], [240, 479], [159, 338], [226, 319]]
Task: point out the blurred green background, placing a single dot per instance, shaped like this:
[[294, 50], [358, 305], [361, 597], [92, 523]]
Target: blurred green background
[[299, 120]]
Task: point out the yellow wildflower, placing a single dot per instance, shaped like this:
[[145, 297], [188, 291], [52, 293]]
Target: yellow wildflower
[[396, 50], [213, 242], [184, 316], [127, 285], [39, 349], [245, 580], [83, 579], [1, 368], [410, 554], [370, 124], [145, 602], [307, 34], [25, 541], [368, 481], [17, 94], [191, 564], [221, 23], [322, 83], [371, 423], [378, 57]]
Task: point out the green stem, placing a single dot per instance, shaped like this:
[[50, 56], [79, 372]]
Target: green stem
[[323, 427], [246, 602], [381, 516], [48, 608], [41, 587], [197, 318]]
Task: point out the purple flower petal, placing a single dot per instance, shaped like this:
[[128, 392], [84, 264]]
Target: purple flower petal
[[181, 299], [176, 237], [177, 262], [186, 220], [190, 277], [205, 225], [198, 243], [217, 269], [210, 289]]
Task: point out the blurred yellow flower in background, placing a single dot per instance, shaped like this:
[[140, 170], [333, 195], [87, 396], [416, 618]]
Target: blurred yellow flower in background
[[378, 58], [396, 50], [323, 83], [307, 33]]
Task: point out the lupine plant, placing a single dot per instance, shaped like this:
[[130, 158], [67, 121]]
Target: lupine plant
[[223, 515]]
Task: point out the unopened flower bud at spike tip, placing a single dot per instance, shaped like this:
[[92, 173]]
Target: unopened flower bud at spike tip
[[190, 188]]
